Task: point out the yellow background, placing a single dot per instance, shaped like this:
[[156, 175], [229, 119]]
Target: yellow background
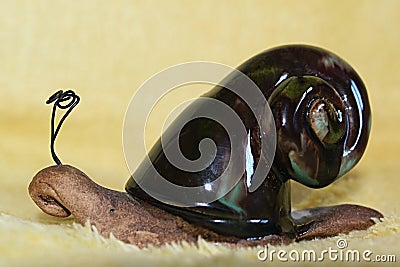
[[106, 49]]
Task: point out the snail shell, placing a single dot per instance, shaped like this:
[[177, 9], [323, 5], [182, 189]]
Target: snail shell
[[322, 118]]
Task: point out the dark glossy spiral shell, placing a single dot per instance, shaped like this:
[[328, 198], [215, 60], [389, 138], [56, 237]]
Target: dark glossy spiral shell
[[321, 112], [322, 118]]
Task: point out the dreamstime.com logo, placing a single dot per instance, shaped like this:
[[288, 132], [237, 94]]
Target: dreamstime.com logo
[[338, 254], [158, 86]]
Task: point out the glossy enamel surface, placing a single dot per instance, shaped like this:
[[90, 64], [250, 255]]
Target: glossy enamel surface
[[322, 118]]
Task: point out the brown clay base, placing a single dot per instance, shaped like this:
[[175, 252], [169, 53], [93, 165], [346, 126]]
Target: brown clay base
[[63, 190]]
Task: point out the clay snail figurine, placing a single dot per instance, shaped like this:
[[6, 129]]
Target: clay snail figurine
[[322, 117]]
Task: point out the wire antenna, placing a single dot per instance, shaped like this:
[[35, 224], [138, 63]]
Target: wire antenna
[[63, 100]]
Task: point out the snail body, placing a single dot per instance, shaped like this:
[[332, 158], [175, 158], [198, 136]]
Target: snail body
[[320, 110], [322, 116]]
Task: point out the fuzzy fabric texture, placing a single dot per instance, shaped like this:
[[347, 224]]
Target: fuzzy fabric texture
[[106, 50]]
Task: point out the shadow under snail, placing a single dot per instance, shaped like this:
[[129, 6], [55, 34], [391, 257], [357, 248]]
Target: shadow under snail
[[322, 117]]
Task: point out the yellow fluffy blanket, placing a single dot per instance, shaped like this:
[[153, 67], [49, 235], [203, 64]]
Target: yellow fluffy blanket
[[105, 50]]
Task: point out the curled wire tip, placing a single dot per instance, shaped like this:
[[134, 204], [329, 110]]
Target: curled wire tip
[[62, 100], [54, 96]]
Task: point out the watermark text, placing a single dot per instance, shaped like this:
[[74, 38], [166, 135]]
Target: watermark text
[[339, 253]]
